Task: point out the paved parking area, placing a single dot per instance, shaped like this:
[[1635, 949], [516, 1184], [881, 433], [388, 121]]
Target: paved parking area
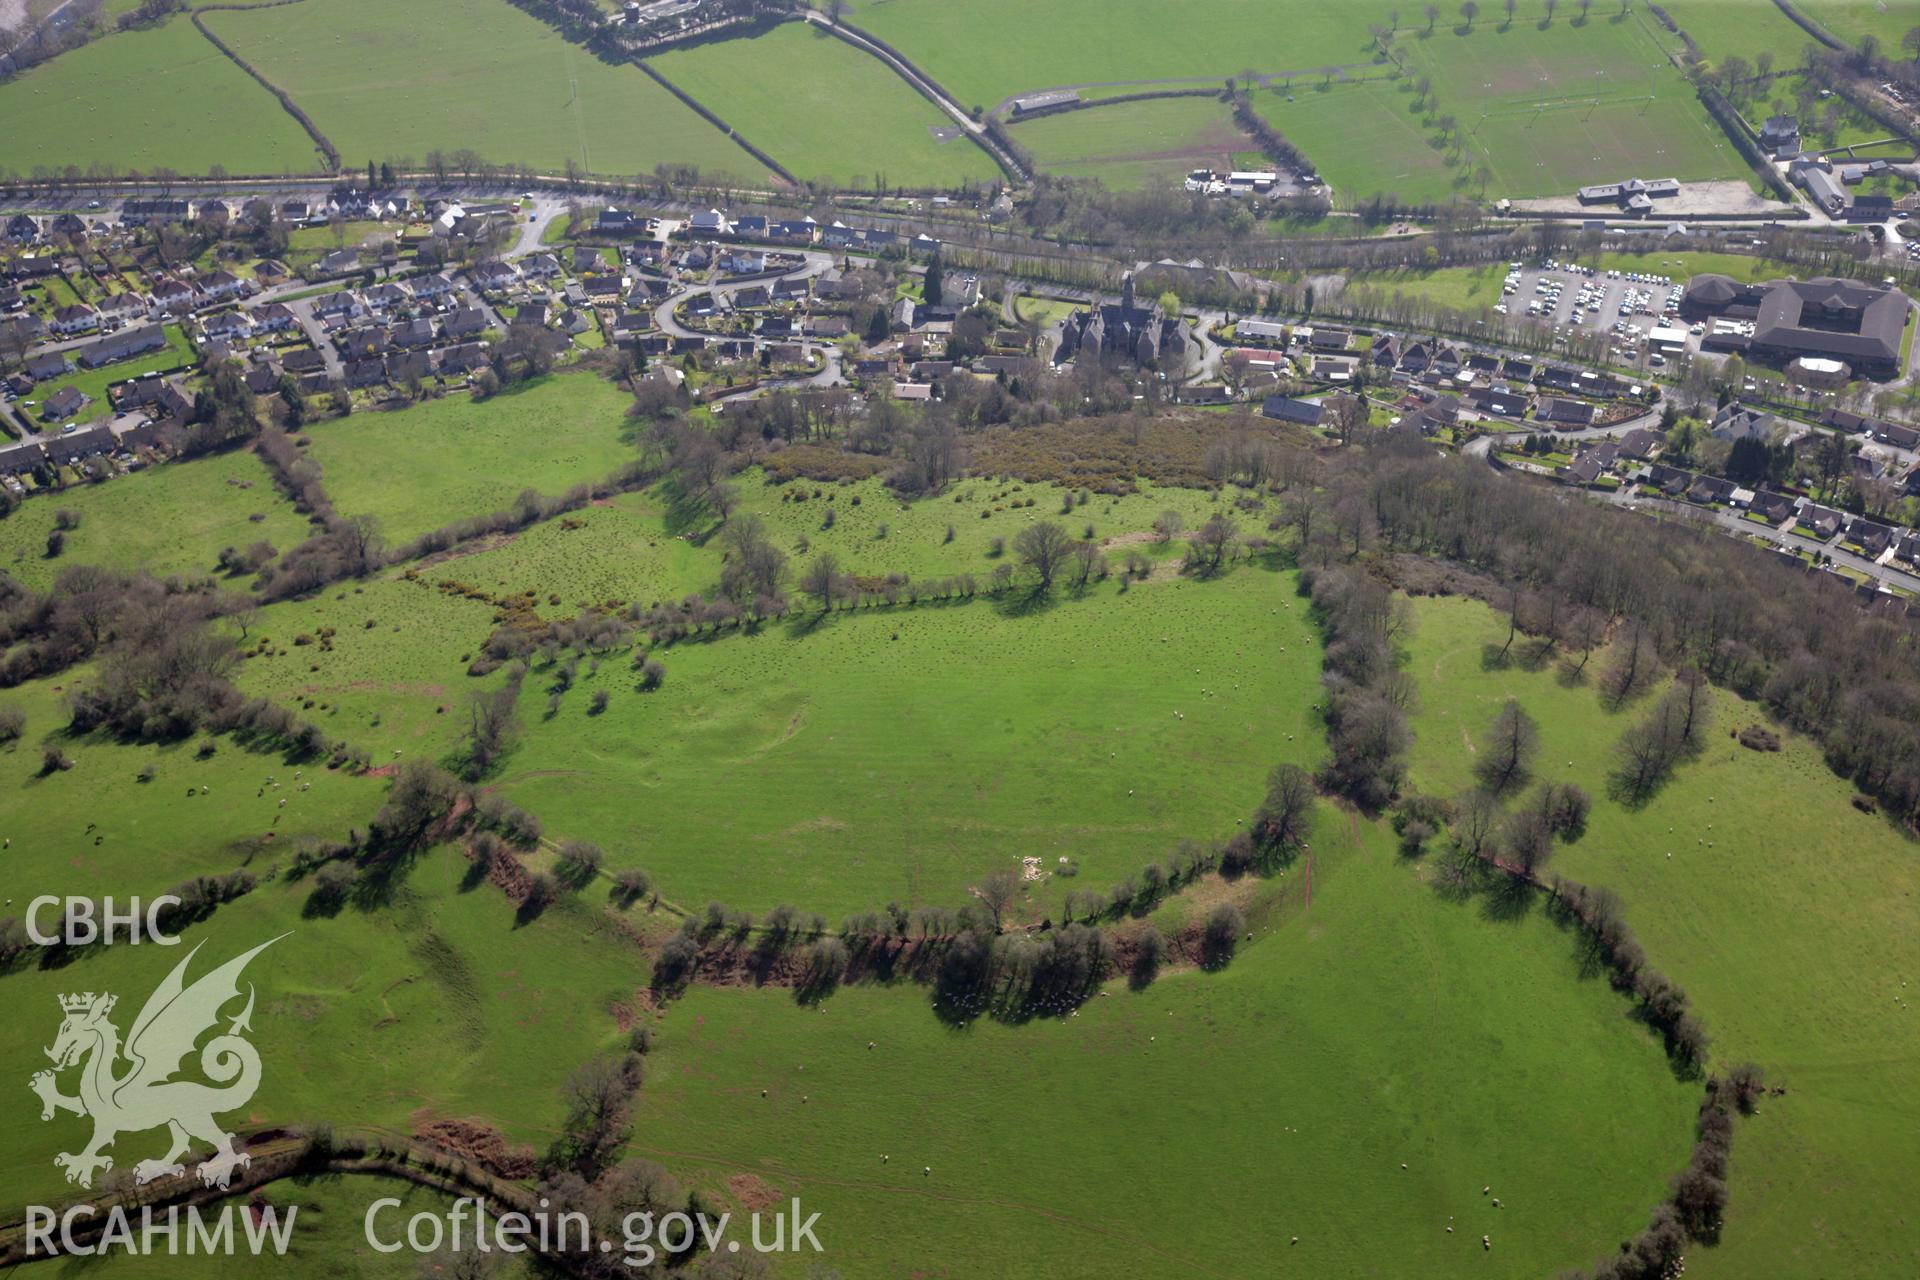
[[1574, 298]]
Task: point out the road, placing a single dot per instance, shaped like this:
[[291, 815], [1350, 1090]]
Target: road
[[815, 264], [1737, 525]]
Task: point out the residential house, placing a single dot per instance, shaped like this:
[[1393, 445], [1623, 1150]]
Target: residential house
[[544, 266], [366, 373], [1583, 470], [274, 318], [1736, 422], [174, 298], [465, 322], [221, 285], [345, 304], [1896, 435], [1262, 333], [1670, 480], [464, 358], [1325, 339], [1772, 507], [1641, 444], [494, 275], [383, 298], [413, 333], [75, 318], [708, 222], [1562, 412], [404, 367], [229, 325], [431, 287], [63, 404], [340, 262], [47, 366], [122, 308], [1710, 491], [1305, 413], [1821, 522], [21, 228]]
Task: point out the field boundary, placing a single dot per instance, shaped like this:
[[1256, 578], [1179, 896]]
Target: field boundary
[[701, 109], [320, 140], [997, 147]]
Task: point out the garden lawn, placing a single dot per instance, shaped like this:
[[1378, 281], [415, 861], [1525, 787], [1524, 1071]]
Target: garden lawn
[[1363, 138], [145, 100], [1134, 144], [400, 81], [172, 518], [93, 383], [903, 754], [1336, 1098], [1549, 110], [1791, 918], [984, 51], [422, 467], [827, 110]]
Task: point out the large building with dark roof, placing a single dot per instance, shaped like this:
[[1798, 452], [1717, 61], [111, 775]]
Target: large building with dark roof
[[1125, 331], [1825, 318]]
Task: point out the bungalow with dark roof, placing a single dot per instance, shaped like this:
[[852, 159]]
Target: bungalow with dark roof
[[1583, 470], [1822, 522], [1896, 435], [63, 404], [1671, 480], [1562, 412], [1710, 491], [1771, 506], [1305, 413], [124, 345]]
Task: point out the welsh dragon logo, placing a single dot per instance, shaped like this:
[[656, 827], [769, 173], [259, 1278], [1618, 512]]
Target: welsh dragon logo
[[144, 1095]]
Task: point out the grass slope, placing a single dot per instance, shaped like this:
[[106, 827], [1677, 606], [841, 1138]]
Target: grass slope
[[1200, 1126], [1135, 144], [170, 519], [158, 98], [902, 755], [1723, 27], [826, 110], [396, 81], [95, 829], [1794, 923], [422, 467], [370, 1019]]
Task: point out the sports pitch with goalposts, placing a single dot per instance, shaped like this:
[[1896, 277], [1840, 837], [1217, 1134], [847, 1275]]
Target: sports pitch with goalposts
[[1551, 109]]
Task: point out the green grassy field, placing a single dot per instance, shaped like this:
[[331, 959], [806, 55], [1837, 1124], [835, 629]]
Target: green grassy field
[[169, 519], [159, 98], [398, 81], [372, 1019], [419, 468], [1091, 41], [97, 829], [1788, 915], [1547, 110], [1744, 27], [1363, 138], [1887, 21], [826, 110], [1199, 1127], [842, 765], [1134, 144]]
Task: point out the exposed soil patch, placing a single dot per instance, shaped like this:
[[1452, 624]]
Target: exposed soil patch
[[752, 1192], [480, 1143]]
